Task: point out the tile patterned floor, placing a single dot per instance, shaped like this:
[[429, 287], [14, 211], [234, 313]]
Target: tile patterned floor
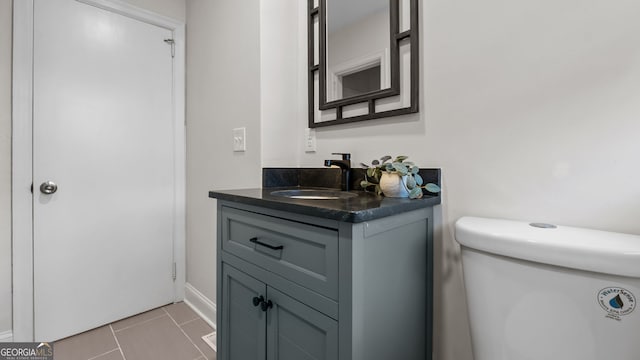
[[172, 332]]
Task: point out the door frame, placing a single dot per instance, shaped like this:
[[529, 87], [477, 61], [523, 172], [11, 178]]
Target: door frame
[[22, 153]]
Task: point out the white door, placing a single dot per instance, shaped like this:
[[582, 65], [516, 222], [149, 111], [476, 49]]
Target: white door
[[103, 132]]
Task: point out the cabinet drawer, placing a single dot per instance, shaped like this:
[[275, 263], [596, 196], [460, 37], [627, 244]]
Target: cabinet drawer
[[303, 253]]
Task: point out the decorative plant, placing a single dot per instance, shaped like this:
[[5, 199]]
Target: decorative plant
[[414, 182]]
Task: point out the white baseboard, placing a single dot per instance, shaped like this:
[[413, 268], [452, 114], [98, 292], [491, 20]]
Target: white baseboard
[[6, 336], [200, 304]]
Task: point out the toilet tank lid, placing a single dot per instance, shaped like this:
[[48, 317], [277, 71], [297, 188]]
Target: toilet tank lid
[[571, 247]]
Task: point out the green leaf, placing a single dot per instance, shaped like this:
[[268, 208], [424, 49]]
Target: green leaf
[[411, 182], [414, 170], [401, 158], [388, 167], [375, 163], [385, 158], [415, 193], [364, 184], [400, 168], [378, 190], [371, 171], [432, 188], [419, 180]]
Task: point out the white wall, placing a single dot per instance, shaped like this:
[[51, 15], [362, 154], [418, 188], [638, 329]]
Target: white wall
[[223, 92], [171, 8], [5, 166], [279, 82], [530, 109]]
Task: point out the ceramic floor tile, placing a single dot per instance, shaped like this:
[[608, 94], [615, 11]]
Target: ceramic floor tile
[[157, 339], [113, 355], [181, 312], [136, 319], [86, 345], [195, 330]]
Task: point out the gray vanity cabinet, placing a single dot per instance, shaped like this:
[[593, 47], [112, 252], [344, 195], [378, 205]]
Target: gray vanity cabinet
[[297, 332], [284, 330], [243, 327], [297, 287]]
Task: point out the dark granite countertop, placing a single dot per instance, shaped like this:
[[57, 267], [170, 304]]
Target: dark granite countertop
[[366, 206]]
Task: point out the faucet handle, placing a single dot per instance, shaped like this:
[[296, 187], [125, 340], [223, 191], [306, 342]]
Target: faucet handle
[[345, 156]]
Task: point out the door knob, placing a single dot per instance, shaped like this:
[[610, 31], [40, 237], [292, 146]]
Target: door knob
[[258, 300], [266, 305], [48, 187]]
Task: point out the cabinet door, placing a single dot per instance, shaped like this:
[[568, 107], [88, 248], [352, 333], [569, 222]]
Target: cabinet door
[[298, 332], [243, 324]]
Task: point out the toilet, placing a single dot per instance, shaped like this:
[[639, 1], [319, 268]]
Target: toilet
[[546, 292]]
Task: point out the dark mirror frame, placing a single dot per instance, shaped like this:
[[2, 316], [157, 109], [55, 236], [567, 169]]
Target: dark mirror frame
[[370, 98]]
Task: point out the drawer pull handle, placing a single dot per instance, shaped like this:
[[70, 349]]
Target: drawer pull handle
[[256, 241], [258, 300]]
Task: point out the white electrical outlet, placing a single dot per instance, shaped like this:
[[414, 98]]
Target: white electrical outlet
[[239, 139], [310, 140]]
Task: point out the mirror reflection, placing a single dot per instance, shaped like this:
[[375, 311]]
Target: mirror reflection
[[357, 47]]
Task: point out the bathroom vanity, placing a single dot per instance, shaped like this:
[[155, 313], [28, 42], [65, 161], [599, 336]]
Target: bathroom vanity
[[333, 279]]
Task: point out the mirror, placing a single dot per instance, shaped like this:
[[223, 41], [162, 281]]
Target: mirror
[[357, 47], [363, 60]]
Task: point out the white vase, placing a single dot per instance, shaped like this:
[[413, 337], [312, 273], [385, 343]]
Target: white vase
[[393, 185]]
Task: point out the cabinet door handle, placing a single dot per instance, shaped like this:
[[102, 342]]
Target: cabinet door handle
[[258, 300], [258, 242], [266, 305]]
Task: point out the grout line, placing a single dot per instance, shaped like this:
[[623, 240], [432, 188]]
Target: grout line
[[170, 317], [139, 323], [185, 334], [174, 320], [117, 342], [186, 322], [108, 352]]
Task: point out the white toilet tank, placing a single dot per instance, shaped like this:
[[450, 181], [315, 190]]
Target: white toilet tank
[[562, 293]]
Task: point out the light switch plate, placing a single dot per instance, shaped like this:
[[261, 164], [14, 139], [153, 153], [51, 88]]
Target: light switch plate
[[239, 139], [310, 140]]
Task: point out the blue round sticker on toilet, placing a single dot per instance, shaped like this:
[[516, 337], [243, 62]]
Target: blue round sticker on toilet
[[617, 302]]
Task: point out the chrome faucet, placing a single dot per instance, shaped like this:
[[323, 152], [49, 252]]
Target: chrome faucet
[[345, 168]]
